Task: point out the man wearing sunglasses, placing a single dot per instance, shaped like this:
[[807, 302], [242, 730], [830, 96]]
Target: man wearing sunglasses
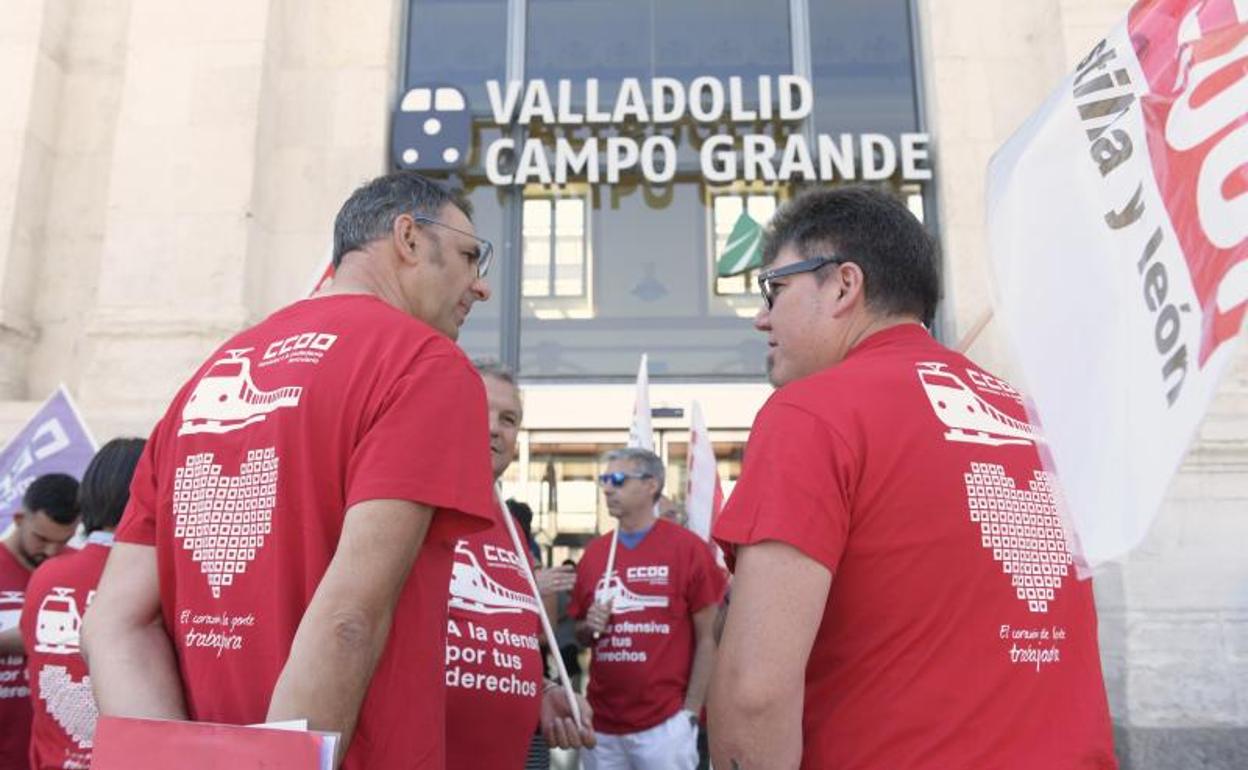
[[903, 595], [292, 520], [650, 624]]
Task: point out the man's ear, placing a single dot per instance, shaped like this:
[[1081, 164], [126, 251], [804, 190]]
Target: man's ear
[[850, 286], [18, 517], [403, 233]]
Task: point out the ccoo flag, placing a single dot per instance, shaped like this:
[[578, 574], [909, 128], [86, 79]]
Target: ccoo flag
[[55, 440], [744, 248], [704, 496], [1117, 218]]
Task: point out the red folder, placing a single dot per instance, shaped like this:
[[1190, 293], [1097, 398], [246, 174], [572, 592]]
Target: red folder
[[158, 744]]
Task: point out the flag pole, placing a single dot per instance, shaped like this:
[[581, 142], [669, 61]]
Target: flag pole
[[973, 333], [606, 576], [522, 554]]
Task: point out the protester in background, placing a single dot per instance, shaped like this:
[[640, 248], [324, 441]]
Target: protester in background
[[650, 623], [565, 633], [46, 522], [671, 511], [59, 592], [494, 634], [902, 596], [342, 442]]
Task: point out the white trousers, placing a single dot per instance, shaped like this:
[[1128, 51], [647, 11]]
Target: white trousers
[[670, 745]]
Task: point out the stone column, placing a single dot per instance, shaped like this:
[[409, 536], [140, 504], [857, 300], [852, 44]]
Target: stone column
[[31, 57], [172, 274]]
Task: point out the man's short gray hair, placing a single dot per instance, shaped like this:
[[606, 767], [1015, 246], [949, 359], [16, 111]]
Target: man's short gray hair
[[643, 460], [371, 210], [492, 367]]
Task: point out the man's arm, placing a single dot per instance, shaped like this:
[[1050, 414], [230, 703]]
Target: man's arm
[[757, 688], [344, 630], [133, 669], [703, 658]]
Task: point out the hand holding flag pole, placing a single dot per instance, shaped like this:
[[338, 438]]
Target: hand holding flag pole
[[551, 642]]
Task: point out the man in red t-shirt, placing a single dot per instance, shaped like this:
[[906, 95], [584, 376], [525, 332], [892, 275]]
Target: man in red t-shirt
[[494, 634], [293, 518], [46, 522], [650, 623], [903, 595], [58, 594]]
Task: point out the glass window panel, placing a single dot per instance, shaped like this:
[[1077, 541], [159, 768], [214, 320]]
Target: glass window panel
[[481, 334], [862, 55], [458, 42]]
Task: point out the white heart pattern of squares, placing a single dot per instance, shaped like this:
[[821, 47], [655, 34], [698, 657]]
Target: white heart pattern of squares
[[70, 703], [1022, 529], [223, 520]]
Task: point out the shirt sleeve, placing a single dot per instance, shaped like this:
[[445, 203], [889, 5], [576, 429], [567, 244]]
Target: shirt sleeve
[[138, 522], [583, 590], [706, 581], [428, 442], [795, 487]]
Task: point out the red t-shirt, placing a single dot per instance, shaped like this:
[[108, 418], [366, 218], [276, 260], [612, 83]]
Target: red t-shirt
[[243, 489], [955, 633], [14, 686], [493, 659], [65, 712], [639, 671]]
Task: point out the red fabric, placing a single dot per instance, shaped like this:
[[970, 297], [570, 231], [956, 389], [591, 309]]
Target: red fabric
[[14, 686], [155, 744], [493, 661], [640, 667], [926, 657], [363, 402], [64, 708]]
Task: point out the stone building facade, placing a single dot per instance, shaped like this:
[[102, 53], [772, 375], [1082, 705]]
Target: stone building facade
[[169, 171]]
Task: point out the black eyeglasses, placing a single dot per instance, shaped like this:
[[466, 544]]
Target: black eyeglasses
[[805, 266], [485, 249], [617, 479]]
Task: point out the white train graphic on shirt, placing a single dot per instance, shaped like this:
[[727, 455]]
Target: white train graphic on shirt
[[473, 590], [611, 589], [10, 609], [58, 623], [225, 399], [969, 418]]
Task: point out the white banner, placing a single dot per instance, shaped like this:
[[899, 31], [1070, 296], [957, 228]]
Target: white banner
[[704, 496], [1117, 218], [640, 433]]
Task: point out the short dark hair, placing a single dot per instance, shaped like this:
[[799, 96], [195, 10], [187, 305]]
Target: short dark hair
[[872, 229], [371, 210], [53, 494], [105, 487]]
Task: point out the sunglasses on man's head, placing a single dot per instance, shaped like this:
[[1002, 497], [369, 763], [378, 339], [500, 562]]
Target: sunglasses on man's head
[[618, 478]]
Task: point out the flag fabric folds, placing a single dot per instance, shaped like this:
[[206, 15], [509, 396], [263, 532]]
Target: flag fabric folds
[[704, 496], [1117, 220], [640, 433]]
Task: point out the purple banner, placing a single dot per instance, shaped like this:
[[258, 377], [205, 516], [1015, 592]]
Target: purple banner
[[55, 440]]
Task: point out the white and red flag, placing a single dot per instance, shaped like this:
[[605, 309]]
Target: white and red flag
[[704, 495], [1117, 219]]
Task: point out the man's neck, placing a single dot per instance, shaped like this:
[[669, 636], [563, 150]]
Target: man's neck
[[637, 522], [872, 324], [10, 544], [364, 273]]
